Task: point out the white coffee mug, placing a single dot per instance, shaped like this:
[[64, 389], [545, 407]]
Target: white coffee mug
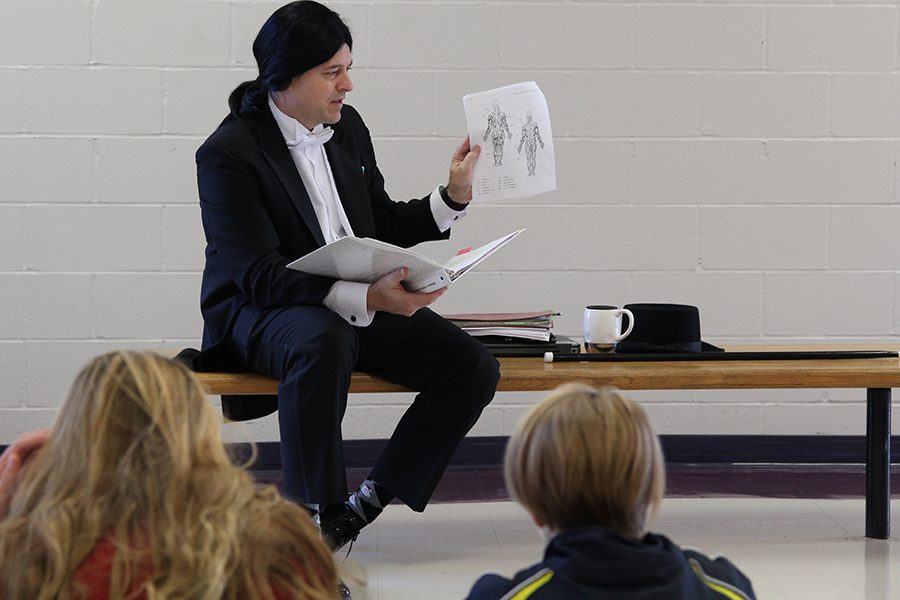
[[602, 327]]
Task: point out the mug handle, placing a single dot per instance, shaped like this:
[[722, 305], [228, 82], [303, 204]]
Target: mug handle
[[624, 334]]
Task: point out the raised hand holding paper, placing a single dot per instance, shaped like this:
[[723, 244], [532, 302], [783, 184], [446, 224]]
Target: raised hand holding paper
[[512, 124]]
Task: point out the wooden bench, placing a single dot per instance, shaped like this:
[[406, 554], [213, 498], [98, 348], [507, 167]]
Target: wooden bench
[[877, 376], [243, 384]]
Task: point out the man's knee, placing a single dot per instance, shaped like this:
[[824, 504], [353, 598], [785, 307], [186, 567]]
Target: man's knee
[[489, 371], [483, 375], [334, 344]]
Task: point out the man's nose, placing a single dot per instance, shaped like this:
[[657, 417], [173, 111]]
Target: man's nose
[[346, 84]]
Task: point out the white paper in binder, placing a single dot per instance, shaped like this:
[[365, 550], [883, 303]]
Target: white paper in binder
[[366, 260]]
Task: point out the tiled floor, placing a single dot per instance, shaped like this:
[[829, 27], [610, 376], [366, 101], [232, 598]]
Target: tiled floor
[[796, 530], [766, 481], [792, 549]]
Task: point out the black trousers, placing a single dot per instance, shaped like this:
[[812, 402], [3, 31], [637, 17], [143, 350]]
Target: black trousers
[[313, 352]]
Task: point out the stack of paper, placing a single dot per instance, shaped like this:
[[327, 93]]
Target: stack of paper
[[524, 325]]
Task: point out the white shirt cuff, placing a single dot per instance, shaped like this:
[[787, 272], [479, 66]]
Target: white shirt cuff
[[444, 216], [348, 299]]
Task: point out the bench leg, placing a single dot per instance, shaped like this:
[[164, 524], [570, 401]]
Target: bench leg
[[878, 463]]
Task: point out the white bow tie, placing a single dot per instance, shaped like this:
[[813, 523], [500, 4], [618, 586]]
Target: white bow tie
[[312, 139]]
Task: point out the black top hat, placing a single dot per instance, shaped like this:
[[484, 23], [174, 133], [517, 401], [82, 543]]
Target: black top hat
[[664, 328]]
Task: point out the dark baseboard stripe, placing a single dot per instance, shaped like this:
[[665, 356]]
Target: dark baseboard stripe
[[487, 452]]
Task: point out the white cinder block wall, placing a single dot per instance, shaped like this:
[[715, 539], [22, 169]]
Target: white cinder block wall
[[740, 156]]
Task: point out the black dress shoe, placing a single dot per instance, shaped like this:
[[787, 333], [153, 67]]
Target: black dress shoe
[[344, 591], [341, 527]]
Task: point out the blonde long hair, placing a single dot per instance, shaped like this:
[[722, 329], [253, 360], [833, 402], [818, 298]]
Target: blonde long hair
[[136, 454], [586, 457]]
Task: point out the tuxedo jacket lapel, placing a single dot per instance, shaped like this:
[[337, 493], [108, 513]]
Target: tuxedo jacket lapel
[[350, 183], [279, 158], [349, 179]]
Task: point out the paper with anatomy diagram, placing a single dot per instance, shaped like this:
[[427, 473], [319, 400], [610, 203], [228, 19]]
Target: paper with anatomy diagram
[[512, 124]]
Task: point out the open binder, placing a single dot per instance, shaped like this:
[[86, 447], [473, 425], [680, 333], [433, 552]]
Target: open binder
[[367, 260]]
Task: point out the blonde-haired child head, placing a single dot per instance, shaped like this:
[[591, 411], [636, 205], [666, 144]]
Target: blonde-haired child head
[[586, 457]]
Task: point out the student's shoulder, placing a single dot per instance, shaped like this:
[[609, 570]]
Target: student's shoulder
[[524, 584], [490, 586], [720, 575]]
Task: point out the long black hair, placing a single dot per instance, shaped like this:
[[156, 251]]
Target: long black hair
[[297, 37]]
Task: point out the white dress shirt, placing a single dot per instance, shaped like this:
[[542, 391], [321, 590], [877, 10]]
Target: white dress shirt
[[307, 148]]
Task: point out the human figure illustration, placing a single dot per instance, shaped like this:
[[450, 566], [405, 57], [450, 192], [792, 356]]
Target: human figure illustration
[[531, 137], [496, 127]]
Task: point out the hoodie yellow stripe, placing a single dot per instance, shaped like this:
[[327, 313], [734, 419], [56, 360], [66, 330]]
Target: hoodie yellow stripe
[[730, 592], [530, 586]]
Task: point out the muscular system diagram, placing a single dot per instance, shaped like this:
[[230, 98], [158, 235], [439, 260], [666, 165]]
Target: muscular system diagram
[[496, 127], [510, 167], [531, 137]]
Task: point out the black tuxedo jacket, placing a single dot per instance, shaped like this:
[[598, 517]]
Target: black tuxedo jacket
[[257, 217]]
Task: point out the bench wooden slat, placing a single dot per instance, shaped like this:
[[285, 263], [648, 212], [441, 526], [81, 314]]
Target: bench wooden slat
[[253, 383], [532, 374]]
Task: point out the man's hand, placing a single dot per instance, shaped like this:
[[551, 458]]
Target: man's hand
[[459, 185], [389, 295], [11, 462]]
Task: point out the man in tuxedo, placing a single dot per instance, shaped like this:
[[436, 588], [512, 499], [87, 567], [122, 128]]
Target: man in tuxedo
[[290, 169]]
